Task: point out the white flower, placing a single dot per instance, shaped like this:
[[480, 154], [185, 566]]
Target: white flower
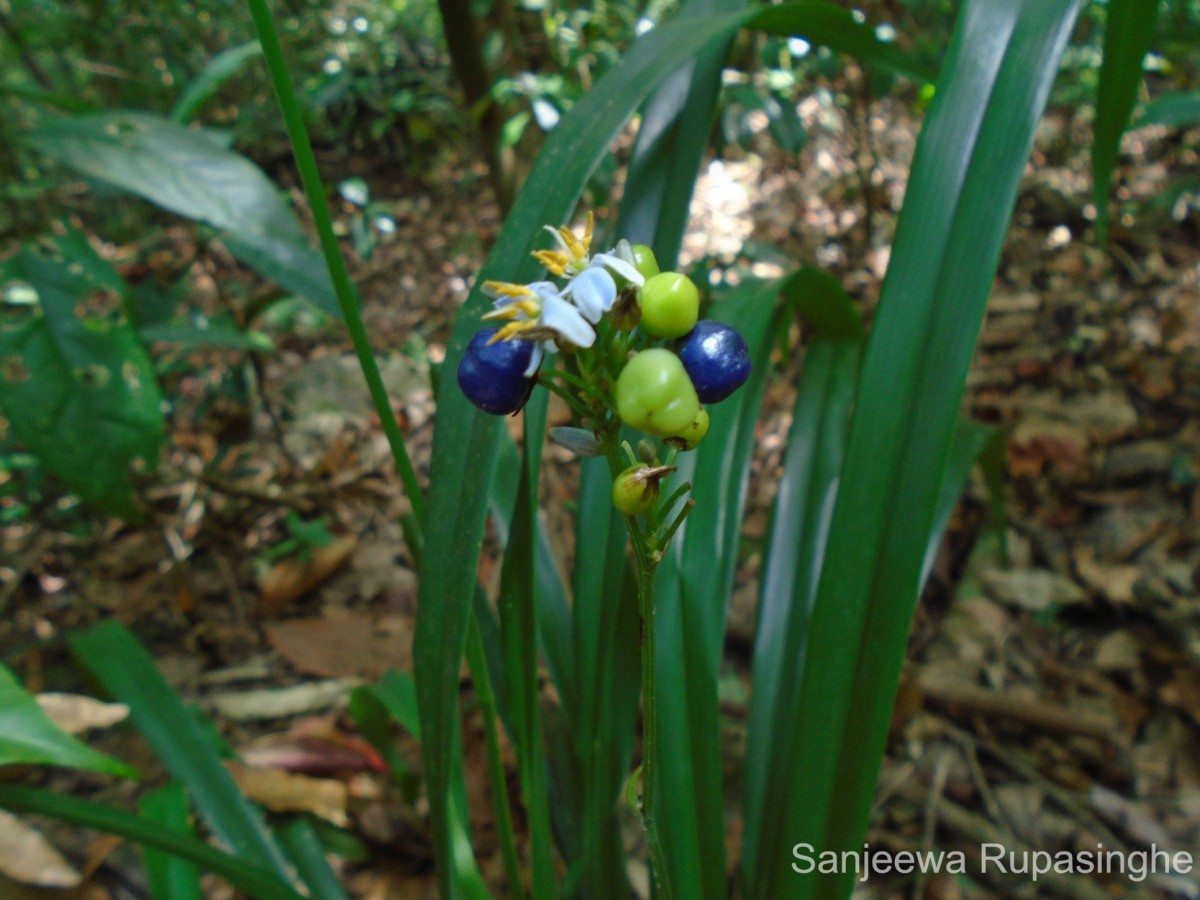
[[592, 286], [537, 312]]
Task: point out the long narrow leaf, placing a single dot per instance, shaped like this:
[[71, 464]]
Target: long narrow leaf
[[256, 881], [605, 630], [792, 561], [693, 588], [122, 665], [171, 877], [967, 167], [671, 143], [1128, 32], [518, 624], [304, 849]]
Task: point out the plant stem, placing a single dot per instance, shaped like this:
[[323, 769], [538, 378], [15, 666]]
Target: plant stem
[[646, 557], [314, 188], [477, 662]]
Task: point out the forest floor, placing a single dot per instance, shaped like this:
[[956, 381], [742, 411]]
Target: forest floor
[[1051, 698]]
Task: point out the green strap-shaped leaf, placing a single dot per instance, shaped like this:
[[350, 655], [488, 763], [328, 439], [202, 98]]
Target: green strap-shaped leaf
[[170, 877], [1179, 109], [240, 871], [519, 632], [969, 159], [692, 592], [28, 737], [1128, 33], [185, 171], [605, 632], [121, 664], [304, 849], [795, 548], [78, 390]]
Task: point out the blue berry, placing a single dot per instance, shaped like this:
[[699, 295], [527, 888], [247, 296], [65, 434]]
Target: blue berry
[[493, 375], [717, 360]]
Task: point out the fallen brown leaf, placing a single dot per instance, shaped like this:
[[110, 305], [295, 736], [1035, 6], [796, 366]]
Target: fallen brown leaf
[[290, 579], [286, 792], [343, 643]]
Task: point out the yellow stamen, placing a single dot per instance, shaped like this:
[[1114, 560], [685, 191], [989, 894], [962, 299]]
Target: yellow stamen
[[511, 330], [554, 260], [504, 289]]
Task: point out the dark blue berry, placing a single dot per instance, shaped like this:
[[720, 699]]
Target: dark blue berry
[[716, 358], [493, 375]]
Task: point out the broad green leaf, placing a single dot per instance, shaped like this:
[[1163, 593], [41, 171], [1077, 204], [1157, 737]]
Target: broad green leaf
[[183, 170], [795, 548], [170, 877], [465, 439], [1179, 109], [237, 869], [692, 593], [1128, 33], [121, 664], [79, 390], [968, 164], [218, 70], [28, 737]]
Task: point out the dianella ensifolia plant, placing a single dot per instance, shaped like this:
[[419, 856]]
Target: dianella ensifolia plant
[[634, 352]]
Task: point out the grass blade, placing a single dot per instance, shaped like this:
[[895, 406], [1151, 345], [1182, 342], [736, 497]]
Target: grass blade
[[256, 881], [968, 164], [1128, 32], [122, 665]]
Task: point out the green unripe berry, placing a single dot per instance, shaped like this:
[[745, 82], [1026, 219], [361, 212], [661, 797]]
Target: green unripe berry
[[644, 260], [690, 437], [655, 394], [670, 305], [634, 491]]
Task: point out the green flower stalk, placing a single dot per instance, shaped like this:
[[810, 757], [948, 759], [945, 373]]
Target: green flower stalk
[[630, 351]]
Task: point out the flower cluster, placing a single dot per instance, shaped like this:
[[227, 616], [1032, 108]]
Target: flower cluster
[[634, 351]]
